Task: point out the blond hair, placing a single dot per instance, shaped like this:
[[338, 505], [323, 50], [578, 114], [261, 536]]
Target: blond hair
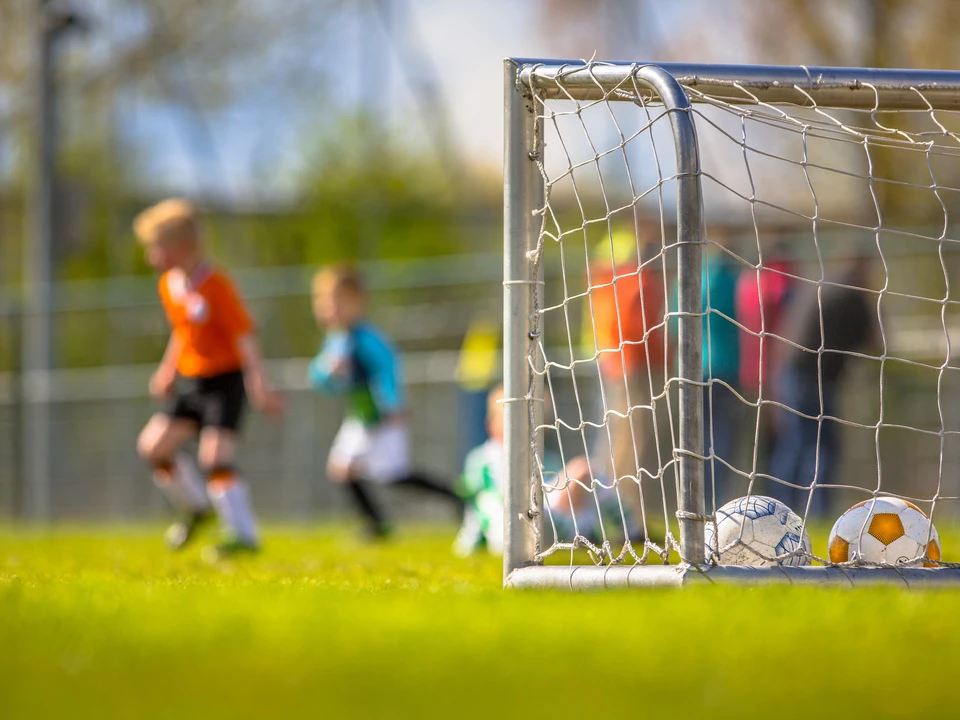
[[172, 220], [339, 277]]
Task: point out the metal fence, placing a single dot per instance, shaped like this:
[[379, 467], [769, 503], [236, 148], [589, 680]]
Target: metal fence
[[96, 474], [426, 305], [113, 326]]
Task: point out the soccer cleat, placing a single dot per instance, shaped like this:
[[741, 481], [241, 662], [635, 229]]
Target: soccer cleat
[[377, 532], [181, 532], [229, 549]]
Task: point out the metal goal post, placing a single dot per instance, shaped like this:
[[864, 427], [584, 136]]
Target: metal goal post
[[528, 85]]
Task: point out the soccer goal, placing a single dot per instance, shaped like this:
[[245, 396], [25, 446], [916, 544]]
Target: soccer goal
[[729, 324]]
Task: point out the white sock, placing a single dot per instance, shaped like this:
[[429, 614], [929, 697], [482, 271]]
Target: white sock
[[182, 486], [492, 507], [470, 535], [232, 503]]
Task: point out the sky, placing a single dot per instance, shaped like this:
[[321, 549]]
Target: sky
[[455, 49], [440, 67], [451, 51]]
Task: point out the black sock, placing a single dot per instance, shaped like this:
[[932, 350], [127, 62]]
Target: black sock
[[362, 499], [420, 481]]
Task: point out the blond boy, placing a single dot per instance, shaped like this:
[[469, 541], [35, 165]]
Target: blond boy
[[211, 364], [481, 487]]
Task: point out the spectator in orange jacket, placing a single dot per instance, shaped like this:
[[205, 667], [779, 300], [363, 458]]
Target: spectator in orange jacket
[[625, 328]]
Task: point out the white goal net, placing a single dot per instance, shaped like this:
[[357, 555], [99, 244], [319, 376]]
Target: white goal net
[[787, 335]]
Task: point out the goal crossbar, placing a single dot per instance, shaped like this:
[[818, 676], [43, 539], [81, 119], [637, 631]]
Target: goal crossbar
[[855, 88]]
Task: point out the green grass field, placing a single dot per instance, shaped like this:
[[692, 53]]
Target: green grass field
[[102, 623]]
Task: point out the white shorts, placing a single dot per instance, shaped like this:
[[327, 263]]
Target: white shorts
[[381, 453]]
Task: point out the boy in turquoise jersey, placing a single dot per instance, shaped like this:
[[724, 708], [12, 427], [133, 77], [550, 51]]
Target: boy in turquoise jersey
[[358, 362], [721, 368]]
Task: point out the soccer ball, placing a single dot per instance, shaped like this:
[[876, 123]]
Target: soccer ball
[[770, 530], [886, 531]]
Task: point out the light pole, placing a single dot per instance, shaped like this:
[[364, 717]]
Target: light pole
[[51, 22]]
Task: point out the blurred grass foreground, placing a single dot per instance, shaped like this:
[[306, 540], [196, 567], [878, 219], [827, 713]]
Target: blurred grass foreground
[[103, 623]]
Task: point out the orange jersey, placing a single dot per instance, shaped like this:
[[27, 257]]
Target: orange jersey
[[638, 294], [207, 318]]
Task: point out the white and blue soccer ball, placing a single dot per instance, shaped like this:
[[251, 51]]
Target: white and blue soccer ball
[[759, 531]]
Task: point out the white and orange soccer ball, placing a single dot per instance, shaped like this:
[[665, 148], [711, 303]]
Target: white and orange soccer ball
[[760, 531], [886, 531]]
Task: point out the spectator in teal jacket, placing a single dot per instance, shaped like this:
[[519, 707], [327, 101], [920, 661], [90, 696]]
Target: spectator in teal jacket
[[721, 367]]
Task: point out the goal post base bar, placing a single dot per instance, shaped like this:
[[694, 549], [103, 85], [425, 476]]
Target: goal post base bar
[[644, 576]]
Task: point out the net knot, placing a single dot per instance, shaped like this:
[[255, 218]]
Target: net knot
[[684, 515]]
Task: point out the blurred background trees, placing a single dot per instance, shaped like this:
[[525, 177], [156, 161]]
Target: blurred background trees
[[315, 130]]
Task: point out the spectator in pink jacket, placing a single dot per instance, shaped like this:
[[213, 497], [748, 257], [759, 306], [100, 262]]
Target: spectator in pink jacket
[[762, 297]]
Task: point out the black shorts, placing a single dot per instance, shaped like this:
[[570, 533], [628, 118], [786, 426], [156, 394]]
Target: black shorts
[[217, 401]]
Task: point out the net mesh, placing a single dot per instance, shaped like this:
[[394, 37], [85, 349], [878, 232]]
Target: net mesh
[[827, 316]]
